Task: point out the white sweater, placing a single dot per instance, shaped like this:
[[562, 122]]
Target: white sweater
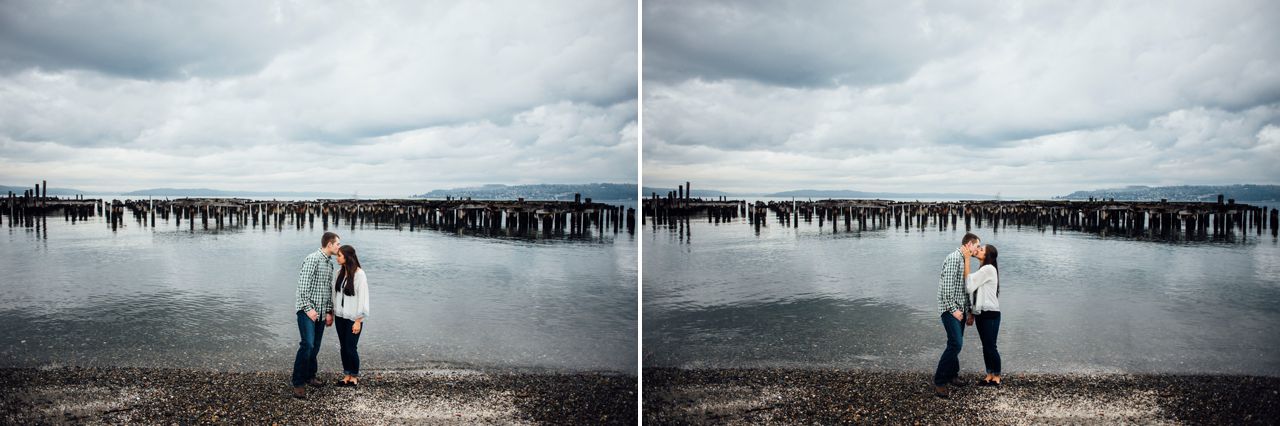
[[986, 282], [352, 307]]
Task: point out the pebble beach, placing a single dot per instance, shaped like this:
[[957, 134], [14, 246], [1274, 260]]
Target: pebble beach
[[796, 396], [433, 396]]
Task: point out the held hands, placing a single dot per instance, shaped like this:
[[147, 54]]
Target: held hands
[[311, 313], [328, 319]]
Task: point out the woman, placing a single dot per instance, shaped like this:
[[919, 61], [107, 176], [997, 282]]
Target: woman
[[984, 287], [350, 308]]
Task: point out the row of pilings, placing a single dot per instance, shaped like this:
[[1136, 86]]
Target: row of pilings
[[1148, 219], [32, 206], [680, 206], [518, 217]]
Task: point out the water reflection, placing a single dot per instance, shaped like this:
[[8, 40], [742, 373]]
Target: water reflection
[[811, 332], [804, 296], [223, 298], [169, 328]]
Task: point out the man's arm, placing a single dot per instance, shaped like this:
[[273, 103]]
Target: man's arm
[[947, 289], [302, 297]]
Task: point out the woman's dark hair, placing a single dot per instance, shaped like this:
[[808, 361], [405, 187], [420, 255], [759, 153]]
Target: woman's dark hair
[[990, 259], [347, 275]]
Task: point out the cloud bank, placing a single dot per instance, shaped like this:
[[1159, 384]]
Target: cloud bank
[[384, 98], [1024, 99]]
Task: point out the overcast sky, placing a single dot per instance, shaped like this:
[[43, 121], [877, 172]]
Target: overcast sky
[[1023, 99], [384, 98]]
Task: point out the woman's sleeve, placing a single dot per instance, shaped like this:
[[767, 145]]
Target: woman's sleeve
[[978, 279], [362, 296]]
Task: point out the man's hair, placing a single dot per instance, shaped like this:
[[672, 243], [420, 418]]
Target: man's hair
[[968, 238], [327, 238]]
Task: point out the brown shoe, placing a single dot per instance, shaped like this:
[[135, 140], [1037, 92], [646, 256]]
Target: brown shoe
[[300, 392], [316, 383], [941, 392]]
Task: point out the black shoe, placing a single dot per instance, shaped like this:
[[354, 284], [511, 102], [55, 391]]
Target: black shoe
[[985, 383], [958, 383], [342, 384]]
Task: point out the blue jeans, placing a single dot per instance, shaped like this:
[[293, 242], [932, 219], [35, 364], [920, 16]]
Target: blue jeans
[[988, 328], [949, 364], [349, 340], [304, 364]]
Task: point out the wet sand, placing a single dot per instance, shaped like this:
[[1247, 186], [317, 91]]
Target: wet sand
[[434, 396], [755, 396]]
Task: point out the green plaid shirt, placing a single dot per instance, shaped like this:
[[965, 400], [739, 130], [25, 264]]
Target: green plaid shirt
[[951, 295], [314, 280]]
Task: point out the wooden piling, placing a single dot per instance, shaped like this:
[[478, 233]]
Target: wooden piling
[[1275, 221]]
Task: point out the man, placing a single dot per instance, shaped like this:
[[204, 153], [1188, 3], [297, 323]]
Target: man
[[314, 300], [953, 303]]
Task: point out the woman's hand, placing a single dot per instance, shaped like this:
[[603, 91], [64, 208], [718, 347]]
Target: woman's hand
[[355, 328]]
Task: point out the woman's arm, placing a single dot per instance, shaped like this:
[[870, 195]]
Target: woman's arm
[[978, 279], [362, 296]]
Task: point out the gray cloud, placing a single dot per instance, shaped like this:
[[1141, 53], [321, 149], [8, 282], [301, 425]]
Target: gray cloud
[[788, 43], [235, 95], [995, 86], [148, 40]]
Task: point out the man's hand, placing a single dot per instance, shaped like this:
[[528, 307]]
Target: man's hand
[[311, 313], [328, 319], [959, 315]]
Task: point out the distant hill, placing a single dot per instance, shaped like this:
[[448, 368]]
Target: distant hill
[[60, 192], [697, 193], [820, 193], [1183, 193], [180, 192], [595, 191], [205, 192], [844, 193]]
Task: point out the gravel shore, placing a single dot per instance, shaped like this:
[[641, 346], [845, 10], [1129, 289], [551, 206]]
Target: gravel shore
[[151, 396], [754, 396]]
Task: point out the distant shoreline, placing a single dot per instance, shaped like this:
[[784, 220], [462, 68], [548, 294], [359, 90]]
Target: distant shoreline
[[776, 395]]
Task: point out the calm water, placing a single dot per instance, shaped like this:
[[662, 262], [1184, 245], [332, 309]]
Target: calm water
[[223, 299], [722, 296]]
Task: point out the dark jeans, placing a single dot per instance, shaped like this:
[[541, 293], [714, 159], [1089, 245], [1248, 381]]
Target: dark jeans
[[949, 364], [304, 364], [350, 355], [988, 328]]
